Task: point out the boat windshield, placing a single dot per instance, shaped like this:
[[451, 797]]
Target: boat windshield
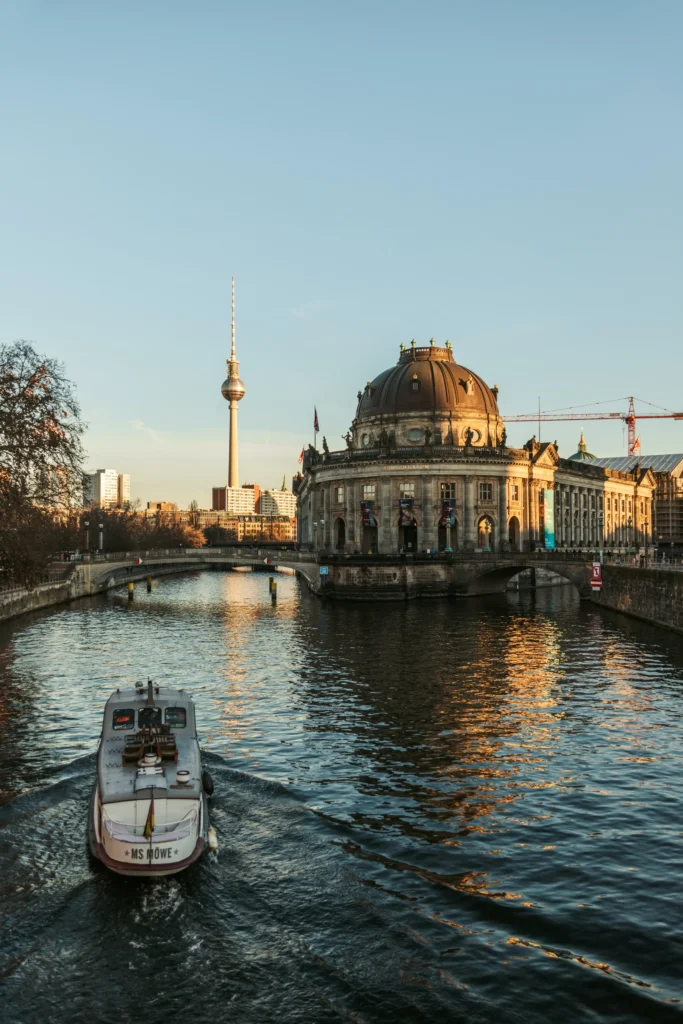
[[123, 718], [148, 717], [176, 717]]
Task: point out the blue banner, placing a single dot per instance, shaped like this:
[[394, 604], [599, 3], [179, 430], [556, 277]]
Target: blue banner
[[549, 520]]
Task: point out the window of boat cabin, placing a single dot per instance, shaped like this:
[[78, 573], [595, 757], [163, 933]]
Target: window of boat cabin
[[176, 717], [123, 718], [148, 717]]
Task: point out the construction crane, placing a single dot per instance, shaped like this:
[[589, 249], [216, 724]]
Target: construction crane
[[629, 418]]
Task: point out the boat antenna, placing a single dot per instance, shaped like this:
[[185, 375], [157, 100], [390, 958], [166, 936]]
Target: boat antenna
[[150, 694]]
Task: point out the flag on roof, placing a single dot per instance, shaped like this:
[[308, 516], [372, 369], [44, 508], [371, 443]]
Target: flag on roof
[[301, 457], [636, 446]]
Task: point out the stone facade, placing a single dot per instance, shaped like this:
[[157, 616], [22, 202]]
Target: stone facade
[[408, 483]]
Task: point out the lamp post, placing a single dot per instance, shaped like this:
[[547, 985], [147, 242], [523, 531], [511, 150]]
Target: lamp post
[[87, 534], [646, 540], [630, 533], [101, 537]]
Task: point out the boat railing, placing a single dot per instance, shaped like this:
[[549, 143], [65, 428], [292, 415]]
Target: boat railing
[[125, 832]]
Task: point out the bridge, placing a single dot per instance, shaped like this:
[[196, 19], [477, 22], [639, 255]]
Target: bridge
[[350, 577], [654, 594]]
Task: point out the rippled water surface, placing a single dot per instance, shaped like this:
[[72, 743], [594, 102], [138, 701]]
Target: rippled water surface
[[433, 811]]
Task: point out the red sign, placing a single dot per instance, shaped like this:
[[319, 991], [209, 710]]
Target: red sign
[[596, 577]]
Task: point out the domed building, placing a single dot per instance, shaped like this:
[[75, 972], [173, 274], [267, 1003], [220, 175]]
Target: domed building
[[427, 468]]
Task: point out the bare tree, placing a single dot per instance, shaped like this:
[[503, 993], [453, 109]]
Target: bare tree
[[41, 457]]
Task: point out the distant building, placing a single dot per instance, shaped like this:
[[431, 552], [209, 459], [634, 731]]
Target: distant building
[[106, 488], [277, 503], [667, 507], [239, 500], [162, 506], [123, 489], [223, 527]]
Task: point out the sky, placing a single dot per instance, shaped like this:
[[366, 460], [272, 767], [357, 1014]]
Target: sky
[[507, 176]]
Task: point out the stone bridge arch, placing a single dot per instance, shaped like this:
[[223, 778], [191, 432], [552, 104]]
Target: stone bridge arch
[[493, 577]]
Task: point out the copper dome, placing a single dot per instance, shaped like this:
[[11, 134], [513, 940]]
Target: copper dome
[[427, 380]]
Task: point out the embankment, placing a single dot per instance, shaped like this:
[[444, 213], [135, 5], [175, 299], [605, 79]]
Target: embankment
[[654, 595]]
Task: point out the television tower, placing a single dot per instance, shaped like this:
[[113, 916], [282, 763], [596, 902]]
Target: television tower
[[233, 391]]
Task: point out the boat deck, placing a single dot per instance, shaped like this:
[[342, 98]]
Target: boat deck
[[132, 726]]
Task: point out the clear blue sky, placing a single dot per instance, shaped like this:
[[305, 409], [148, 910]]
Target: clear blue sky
[[506, 175]]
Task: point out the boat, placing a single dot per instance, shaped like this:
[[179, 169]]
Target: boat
[[149, 813]]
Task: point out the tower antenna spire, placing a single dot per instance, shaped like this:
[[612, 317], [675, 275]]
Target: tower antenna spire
[[232, 351]]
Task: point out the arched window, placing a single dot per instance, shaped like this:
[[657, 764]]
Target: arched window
[[485, 533]]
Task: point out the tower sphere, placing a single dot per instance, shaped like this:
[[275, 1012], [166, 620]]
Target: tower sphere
[[233, 389]]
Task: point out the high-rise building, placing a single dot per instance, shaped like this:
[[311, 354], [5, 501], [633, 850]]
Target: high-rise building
[[106, 488], [123, 489], [277, 503], [240, 500], [233, 391]]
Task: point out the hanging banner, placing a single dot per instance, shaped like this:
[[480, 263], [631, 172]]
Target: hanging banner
[[596, 576], [448, 512], [405, 512], [367, 511], [549, 520]]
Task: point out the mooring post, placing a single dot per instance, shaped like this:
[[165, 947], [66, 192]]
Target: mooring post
[[131, 591], [273, 590], [149, 584]]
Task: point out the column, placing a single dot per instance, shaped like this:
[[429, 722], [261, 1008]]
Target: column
[[350, 494], [429, 528], [502, 544], [327, 511], [384, 538], [468, 515]]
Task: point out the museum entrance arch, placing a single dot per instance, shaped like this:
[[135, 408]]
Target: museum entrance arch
[[513, 533], [407, 536], [339, 534], [485, 537], [369, 540]]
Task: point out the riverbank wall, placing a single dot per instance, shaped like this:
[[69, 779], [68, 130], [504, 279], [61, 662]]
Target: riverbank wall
[[653, 595]]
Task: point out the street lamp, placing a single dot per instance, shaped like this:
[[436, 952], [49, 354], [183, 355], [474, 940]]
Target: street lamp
[[646, 539], [87, 534], [101, 543]]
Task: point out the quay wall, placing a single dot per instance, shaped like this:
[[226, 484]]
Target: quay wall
[[18, 602], [653, 595]]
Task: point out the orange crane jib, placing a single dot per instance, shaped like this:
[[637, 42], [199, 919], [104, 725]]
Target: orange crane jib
[[629, 418]]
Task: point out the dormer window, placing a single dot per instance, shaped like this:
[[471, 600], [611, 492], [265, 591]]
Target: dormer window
[[415, 383], [469, 386]]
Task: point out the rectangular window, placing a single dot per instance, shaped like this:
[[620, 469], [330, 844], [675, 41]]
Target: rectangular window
[[629, 506], [623, 505], [406, 490], [515, 492], [123, 718], [448, 490], [148, 717], [368, 492], [485, 492], [176, 717], [609, 504], [340, 495]]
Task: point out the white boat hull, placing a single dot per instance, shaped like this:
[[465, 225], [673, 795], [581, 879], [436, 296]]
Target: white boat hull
[[140, 858]]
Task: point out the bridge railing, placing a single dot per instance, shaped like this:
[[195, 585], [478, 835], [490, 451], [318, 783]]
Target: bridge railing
[[199, 554]]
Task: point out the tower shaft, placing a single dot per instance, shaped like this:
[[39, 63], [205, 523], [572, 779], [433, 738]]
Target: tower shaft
[[233, 470]]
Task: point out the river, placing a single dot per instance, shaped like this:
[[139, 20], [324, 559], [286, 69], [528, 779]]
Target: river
[[426, 811]]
